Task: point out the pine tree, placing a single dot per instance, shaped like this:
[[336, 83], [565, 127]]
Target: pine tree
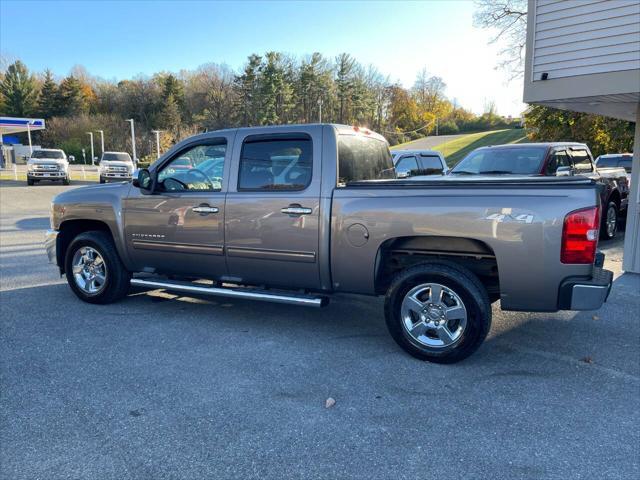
[[246, 87], [169, 118], [71, 98], [344, 84], [48, 95], [18, 89]]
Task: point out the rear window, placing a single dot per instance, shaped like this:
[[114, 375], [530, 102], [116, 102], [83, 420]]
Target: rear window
[[431, 162], [363, 158], [56, 154], [615, 161], [116, 156]]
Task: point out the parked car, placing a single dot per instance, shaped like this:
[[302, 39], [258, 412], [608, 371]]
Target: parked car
[[553, 159], [301, 212], [115, 166], [418, 163], [48, 164]]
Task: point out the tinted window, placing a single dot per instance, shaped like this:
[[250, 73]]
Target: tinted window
[[431, 162], [363, 158], [197, 168], [581, 161], [405, 165], [558, 159], [47, 154], [517, 160], [626, 163], [604, 162], [116, 156], [275, 164]]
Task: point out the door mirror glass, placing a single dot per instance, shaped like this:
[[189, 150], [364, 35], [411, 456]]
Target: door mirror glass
[[563, 171], [143, 180]]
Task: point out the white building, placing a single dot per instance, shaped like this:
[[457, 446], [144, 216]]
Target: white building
[[584, 56]]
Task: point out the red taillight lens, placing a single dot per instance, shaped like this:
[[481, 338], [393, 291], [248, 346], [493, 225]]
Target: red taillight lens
[[580, 236]]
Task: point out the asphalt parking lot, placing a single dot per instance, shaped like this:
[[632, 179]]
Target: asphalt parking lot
[[165, 387]]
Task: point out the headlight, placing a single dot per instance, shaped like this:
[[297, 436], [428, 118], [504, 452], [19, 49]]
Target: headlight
[[31, 167]]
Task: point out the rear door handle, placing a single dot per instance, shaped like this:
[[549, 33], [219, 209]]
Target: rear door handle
[[296, 210], [205, 209]]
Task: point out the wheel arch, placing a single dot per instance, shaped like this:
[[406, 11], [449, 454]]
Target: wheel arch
[[397, 254], [70, 229]]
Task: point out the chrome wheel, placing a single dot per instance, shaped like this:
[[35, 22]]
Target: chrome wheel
[[611, 221], [433, 315], [89, 270]]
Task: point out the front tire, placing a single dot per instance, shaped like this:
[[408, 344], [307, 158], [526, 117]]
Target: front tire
[[29, 181], [94, 270], [438, 311], [609, 225], [102, 180], [66, 180]]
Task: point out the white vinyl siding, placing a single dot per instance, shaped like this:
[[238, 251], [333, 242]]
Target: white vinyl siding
[[580, 37]]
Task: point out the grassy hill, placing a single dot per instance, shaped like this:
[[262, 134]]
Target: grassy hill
[[456, 149]]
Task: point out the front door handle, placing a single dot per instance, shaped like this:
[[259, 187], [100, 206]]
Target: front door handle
[[296, 209], [205, 209]]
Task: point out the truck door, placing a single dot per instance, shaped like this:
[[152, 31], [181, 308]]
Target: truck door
[[272, 209], [180, 227]]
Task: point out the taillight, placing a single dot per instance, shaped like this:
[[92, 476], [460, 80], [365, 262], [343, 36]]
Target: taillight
[[580, 236]]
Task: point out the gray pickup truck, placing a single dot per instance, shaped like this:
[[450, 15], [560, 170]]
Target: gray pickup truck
[[294, 214]]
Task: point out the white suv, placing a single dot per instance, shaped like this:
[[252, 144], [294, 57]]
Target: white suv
[[115, 166], [48, 164]]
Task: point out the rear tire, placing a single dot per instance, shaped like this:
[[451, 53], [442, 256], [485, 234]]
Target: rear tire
[[427, 329], [115, 279], [609, 222]]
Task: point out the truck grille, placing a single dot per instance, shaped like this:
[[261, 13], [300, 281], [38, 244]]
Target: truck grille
[[124, 170], [45, 168]]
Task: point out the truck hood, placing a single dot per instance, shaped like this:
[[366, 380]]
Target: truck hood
[[46, 161], [116, 163], [91, 192]]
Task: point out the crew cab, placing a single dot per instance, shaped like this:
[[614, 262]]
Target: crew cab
[[553, 159], [48, 164], [418, 163], [294, 214], [116, 166]]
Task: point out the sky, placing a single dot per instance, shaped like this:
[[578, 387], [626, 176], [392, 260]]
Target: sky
[[117, 39]]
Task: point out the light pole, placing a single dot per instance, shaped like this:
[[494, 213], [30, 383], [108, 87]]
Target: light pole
[[157, 132], [29, 123], [101, 132], [91, 136], [320, 110], [133, 142]]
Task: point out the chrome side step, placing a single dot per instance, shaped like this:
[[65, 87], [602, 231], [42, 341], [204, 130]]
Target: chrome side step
[[234, 292]]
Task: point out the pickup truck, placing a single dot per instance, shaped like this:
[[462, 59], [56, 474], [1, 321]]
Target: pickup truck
[[418, 163], [48, 164], [554, 159], [116, 166], [294, 214]]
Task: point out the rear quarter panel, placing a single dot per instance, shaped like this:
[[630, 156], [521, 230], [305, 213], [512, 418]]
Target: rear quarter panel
[[522, 225]]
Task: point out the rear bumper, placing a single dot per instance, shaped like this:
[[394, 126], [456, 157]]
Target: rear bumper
[[580, 293]]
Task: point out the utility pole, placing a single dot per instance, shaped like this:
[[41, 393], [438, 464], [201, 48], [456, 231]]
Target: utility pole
[[133, 142], [101, 132], [91, 136], [320, 110], [157, 132]]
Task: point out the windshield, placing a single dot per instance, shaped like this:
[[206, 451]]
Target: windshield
[[116, 156], [363, 158], [56, 154], [517, 160], [614, 161]]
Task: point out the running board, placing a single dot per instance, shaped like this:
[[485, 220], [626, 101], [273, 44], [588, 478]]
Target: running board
[[234, 292]]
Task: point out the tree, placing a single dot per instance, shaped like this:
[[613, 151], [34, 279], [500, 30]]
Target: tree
[[46, 106], [170, 116], [18, 91], [602, 134], [246, 86], [72, 97], [345, 65], [508, 18]]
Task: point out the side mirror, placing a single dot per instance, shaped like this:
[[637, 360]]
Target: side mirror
[[71, 158], [404, 174], [143, 181], [563, 172]]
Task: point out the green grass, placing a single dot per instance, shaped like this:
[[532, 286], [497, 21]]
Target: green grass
[[456, 150]]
